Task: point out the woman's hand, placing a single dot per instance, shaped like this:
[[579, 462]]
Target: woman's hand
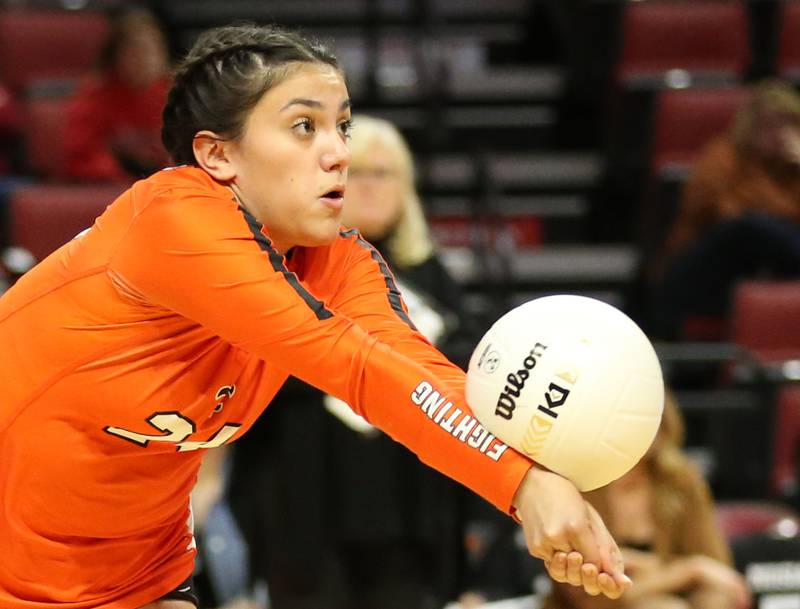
[[713, 573], [567, 533], [638, 562], [790, 138]]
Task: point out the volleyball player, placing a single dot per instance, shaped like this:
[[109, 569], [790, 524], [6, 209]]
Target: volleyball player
[[165, 329]]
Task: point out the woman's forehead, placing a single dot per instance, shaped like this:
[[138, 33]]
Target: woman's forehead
[[317, 83]]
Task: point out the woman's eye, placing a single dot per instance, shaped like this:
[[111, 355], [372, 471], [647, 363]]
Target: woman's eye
[[304, 126], [345, 127]]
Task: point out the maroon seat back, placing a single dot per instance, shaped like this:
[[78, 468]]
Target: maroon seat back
[[44, 217]]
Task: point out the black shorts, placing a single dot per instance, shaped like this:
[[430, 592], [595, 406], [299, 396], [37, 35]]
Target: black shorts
[[185, 592]]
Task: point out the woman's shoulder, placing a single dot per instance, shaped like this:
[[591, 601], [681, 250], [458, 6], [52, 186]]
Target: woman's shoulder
[[184, 177], [179, 185]]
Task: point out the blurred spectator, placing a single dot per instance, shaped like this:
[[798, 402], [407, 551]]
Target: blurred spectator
[[221, 568], [755, 166], [383, 204], [739, 214], [370, 527], [113, 123], [662, 515]]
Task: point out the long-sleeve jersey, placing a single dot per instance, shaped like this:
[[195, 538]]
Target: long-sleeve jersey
[[164, 331]]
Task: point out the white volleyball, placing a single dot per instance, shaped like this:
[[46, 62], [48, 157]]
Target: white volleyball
[[571, 382]]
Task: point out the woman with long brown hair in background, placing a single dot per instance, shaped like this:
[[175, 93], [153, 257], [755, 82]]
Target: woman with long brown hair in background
[[662, 514]]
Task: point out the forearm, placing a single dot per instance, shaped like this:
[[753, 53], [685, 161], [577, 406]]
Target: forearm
[[430, 416], [576, 598], [674, 577]]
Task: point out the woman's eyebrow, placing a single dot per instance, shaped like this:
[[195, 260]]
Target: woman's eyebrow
[[312, 103], [302, 101]]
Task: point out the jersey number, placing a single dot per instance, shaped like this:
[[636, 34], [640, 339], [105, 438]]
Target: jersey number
[[175, 428]]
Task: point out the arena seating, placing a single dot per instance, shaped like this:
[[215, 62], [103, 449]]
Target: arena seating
[[685, 120], [765, 319], [44, 217], [53, 45], [785, 477], [705, 39], [787, 63], [43, 135]]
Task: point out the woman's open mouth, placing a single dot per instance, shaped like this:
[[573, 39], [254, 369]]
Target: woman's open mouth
[[334, 198]]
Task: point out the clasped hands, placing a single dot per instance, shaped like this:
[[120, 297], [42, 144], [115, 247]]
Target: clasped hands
[[568, 534]]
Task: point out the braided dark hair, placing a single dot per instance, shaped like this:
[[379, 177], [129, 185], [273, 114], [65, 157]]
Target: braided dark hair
[[224, 75]]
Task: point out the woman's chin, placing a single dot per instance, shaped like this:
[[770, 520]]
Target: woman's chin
[[324, 236]]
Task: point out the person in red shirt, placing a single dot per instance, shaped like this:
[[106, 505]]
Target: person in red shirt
[[113, 122], [165, 329]]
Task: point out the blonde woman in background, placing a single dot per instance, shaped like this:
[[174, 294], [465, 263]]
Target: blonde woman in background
[[382, 201], [383, 204], [662, 515], [397, 556]]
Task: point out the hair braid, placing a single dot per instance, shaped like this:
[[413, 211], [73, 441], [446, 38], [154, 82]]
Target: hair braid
[[224, 75]]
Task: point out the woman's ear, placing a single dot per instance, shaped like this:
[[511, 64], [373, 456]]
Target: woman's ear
[[212, 153]]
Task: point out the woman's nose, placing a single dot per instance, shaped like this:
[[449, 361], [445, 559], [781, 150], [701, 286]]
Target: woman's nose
[[337, 156]]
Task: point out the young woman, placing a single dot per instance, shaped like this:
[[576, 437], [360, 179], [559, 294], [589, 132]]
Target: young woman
[[166, 328], [662, 514]]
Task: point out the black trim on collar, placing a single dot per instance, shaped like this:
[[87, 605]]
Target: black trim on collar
[[394, 293], [276, 260]]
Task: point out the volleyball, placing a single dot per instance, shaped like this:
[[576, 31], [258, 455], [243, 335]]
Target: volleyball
[[571, 382]]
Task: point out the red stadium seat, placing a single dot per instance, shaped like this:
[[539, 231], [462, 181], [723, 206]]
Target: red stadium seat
[[49, 45], [765, 319], [740, 518], [667, 44], [686, 119], [784, 478], [788, 55], [706, 38], [44, 140], [44, 217], [523, 231], [11, 123]]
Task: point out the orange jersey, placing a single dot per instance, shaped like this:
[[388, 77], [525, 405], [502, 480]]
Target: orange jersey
[[165, 330]]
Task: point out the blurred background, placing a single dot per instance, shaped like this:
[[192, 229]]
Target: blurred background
[[646, 153]]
